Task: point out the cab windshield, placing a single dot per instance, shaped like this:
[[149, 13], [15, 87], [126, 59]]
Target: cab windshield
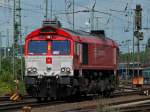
[[60, 47], [37, 47]]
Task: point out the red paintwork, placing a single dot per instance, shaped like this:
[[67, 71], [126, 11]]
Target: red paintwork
[[48, 60], [102, 53]]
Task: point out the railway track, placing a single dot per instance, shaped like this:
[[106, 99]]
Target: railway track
[[4, 98], [9, 105], [125, 93], [14, 105], [6, 105], [138, 108], [142, 105], [7, 98], [137, 105]]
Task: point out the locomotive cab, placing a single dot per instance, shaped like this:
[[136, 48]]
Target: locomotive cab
[[50, 57], [49, 53]]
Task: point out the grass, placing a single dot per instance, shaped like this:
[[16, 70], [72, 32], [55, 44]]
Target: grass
[[6, 83], [5, 88], [8, 86]]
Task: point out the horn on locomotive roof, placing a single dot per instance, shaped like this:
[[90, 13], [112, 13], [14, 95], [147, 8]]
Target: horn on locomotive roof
[[53, 23]]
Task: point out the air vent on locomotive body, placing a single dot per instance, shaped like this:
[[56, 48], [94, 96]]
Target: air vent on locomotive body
[[52, 23]]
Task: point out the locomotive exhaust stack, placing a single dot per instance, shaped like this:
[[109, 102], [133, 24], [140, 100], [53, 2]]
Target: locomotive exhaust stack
[[52, 23], [99, 33]]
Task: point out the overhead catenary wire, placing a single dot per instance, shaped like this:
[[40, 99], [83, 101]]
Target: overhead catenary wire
[[57, 13], [35, 11]]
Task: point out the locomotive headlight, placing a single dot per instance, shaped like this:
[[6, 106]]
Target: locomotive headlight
[[63, 69], [68, 69], [29, 69], [34, 70]]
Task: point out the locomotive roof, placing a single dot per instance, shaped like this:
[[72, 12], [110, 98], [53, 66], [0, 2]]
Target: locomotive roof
[[82, 33], [88, 35], [77, 32], [77, 35]]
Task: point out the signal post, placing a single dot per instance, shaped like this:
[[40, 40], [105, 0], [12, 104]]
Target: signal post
[[137, 80]]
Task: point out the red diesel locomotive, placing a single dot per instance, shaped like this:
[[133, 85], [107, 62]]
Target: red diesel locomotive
[[61, 62]]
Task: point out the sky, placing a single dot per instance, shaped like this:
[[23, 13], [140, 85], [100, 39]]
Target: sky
[[114, 19]]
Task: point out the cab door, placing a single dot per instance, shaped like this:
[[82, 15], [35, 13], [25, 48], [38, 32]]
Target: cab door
[[84, 53]]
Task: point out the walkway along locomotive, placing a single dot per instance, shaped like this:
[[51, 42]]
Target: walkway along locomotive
[[62, 62]]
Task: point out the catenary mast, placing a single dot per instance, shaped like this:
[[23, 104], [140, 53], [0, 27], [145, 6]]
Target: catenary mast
[[17, 37]]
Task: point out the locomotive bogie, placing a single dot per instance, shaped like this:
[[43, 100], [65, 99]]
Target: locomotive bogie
[[65, 86]]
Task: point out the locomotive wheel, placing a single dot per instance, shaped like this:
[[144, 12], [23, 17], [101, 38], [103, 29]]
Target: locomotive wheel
[[39, 99], [42, 99], [106, 93], [45, 99], [60, 98], [52, 99], [74, 97]]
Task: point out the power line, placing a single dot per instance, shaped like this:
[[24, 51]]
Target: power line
[[38, 7]]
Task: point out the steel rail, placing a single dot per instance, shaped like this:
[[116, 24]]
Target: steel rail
[[9, 105], [20, 105], [137, 108]]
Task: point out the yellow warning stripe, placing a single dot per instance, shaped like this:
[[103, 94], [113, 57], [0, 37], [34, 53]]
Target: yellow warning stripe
[[49, 47], [15, 97], [12, 97]]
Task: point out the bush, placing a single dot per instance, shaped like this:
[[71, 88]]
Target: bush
[[7, 83], [6, 77]]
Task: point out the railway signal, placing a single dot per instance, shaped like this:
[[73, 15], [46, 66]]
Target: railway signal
[[138, 17], [139, 35]]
